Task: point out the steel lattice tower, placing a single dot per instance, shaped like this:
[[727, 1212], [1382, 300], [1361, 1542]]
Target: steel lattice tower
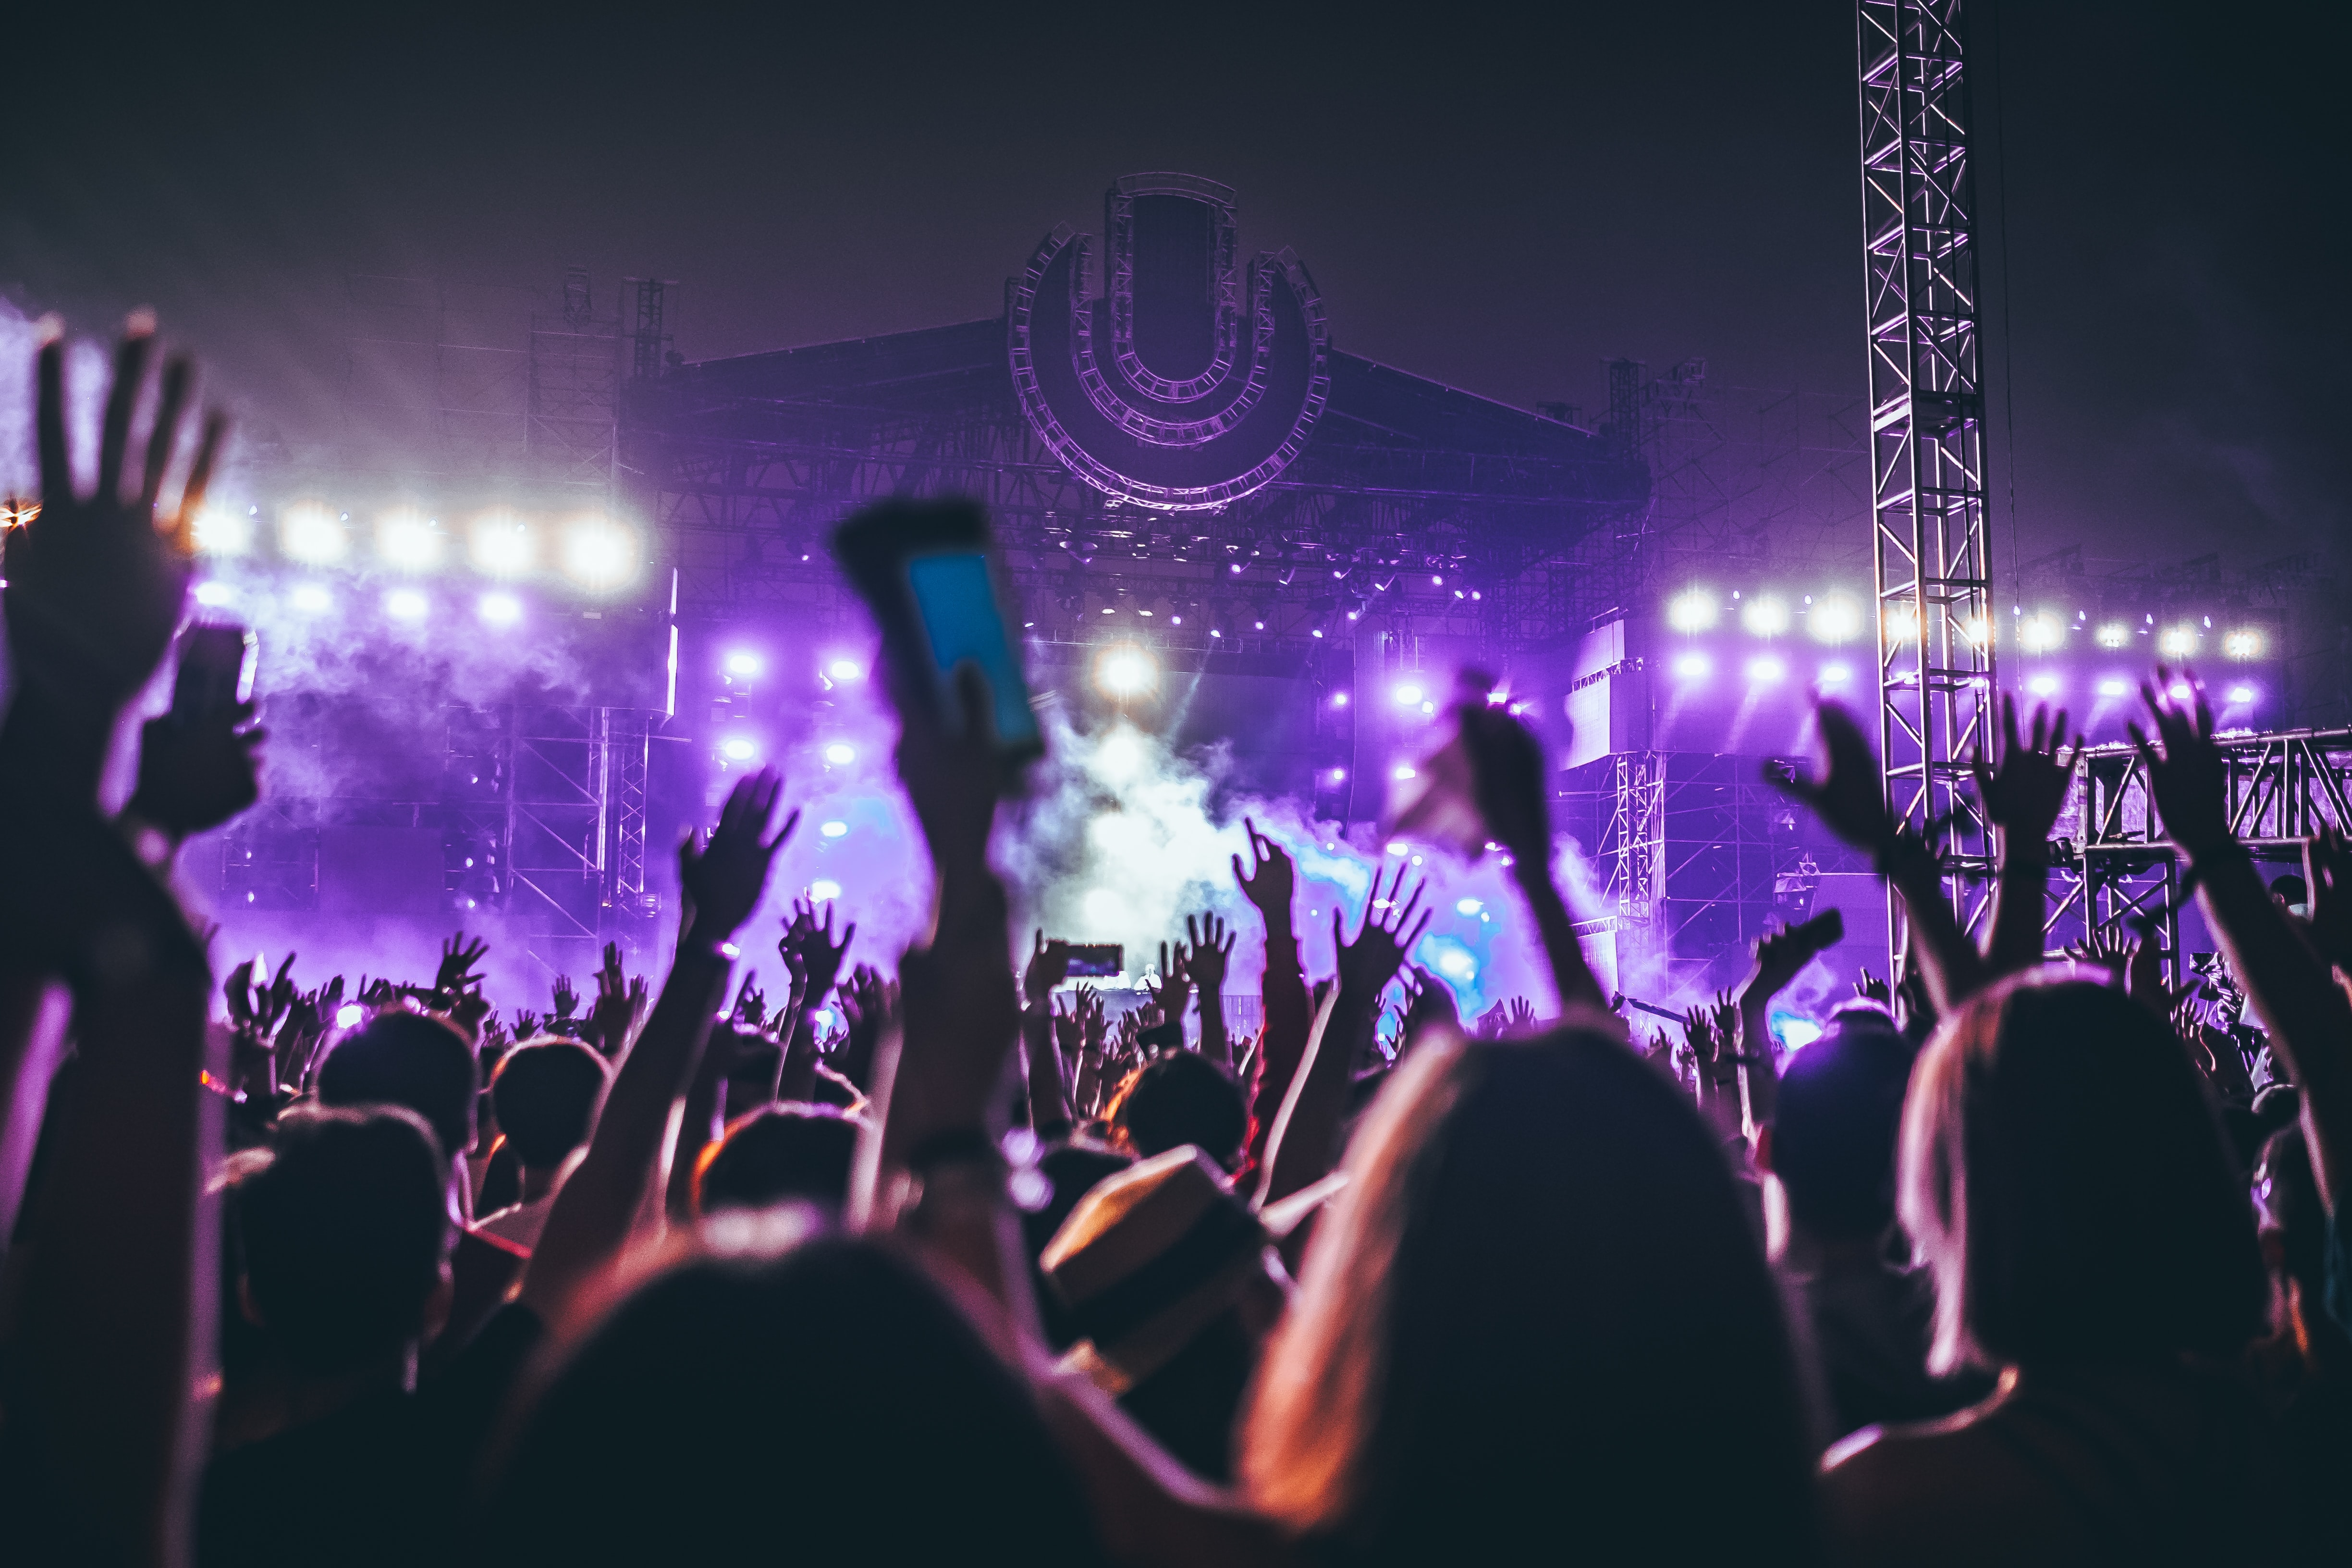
[[1936, 623]]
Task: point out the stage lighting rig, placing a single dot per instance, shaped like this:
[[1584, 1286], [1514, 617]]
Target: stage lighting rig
[[408, 540], [1692, 610], [313, 535]]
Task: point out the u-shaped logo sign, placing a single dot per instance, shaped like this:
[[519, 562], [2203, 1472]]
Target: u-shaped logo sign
[[1191, 382]]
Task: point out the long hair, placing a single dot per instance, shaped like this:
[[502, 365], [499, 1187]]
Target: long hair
[[1538, 1314], [2064, 1175]]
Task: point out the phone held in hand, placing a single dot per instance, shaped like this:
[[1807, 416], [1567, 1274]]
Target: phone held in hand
[[215, 672], [929, 572], [1096, 960]]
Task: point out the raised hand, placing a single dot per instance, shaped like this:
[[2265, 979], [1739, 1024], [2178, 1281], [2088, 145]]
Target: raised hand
[[1173, 989], [525, 1027], [620, 1003], [567, 1000], [1871, 988], [751, 1002], [1092, 1028], [270, 1006], [1519, 1014], [1849, 796], [460, 969], [2185, 772], [818, 954], [869, 1004], [1271, 880], [1507, 775], [1368, 964], [95, 583], [724, 878], [1208, 952], [2024, 788], [1780, 955], [1049, 966], [237, 992]]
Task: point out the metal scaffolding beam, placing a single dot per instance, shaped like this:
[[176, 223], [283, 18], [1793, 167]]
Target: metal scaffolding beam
[[1926, 443]]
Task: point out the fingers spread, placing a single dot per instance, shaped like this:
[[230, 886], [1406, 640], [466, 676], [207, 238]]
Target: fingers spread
[[129, 373]]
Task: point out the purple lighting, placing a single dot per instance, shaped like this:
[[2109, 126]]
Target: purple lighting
[[1693, 666], [1766, 669]]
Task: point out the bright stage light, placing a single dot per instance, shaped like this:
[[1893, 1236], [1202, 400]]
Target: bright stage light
[[839, 755], [1902, 622], [1124, 671], [846, 669], [1834, 620], [2181, 692], [824, 889], [1793, 1033], [599, 553], [1766, 617], [2042, 685], [1836, 674], [2178, 642], [312, 534], [743, 664], [1401, 770], [499, 609], [500, 546], [1693, 610], [2040, 633], [1339, 775], [1467, 906], [222, 531], [1977, 629], [1692, 665], [2114, 686], [1766, 669], [2114, 633], [2245, 643], [212, 595], [405, 604], [2242, 693], [313, 597], [407, 540], [348, 1014], [834, 829], [1407, 695], [1339, 699], [737, 749]]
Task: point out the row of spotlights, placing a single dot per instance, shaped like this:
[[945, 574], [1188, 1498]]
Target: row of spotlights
[[592, 549], [497, 609], [1835, 618]]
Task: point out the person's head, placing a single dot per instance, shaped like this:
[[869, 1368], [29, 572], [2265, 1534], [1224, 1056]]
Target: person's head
[[546, 1093], [2291, 890], [778, 1153], [1071, 1171], [398, 1057], [824, 1403], [1179, 1098], [1835, 1118], [341, 1235], [2064, 1177], [1537, 1307]]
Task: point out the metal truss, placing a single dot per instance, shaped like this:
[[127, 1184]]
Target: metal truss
[[2117, 868], [1927, 446], [575, 382]]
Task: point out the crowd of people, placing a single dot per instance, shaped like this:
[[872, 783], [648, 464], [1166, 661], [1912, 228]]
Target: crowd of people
[[2021, 1260]]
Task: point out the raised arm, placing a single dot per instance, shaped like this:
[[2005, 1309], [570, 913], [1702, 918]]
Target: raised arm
[[1779, 957], [1850, 797], [116, 1282], [2022, 791], [2308, 1016], [627, 1159], [1049, 1097], [1304, 1144], [1507, 772], [1268, 884], [1212, 948]]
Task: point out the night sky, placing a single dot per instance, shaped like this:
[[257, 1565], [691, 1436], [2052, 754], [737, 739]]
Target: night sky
[[1485, 199]]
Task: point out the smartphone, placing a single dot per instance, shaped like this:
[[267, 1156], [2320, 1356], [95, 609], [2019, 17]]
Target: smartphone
[[929, 572], [215, 673], [1096, 960]]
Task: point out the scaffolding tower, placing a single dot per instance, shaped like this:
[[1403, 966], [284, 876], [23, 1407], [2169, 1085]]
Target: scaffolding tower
[[1935, 624]]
